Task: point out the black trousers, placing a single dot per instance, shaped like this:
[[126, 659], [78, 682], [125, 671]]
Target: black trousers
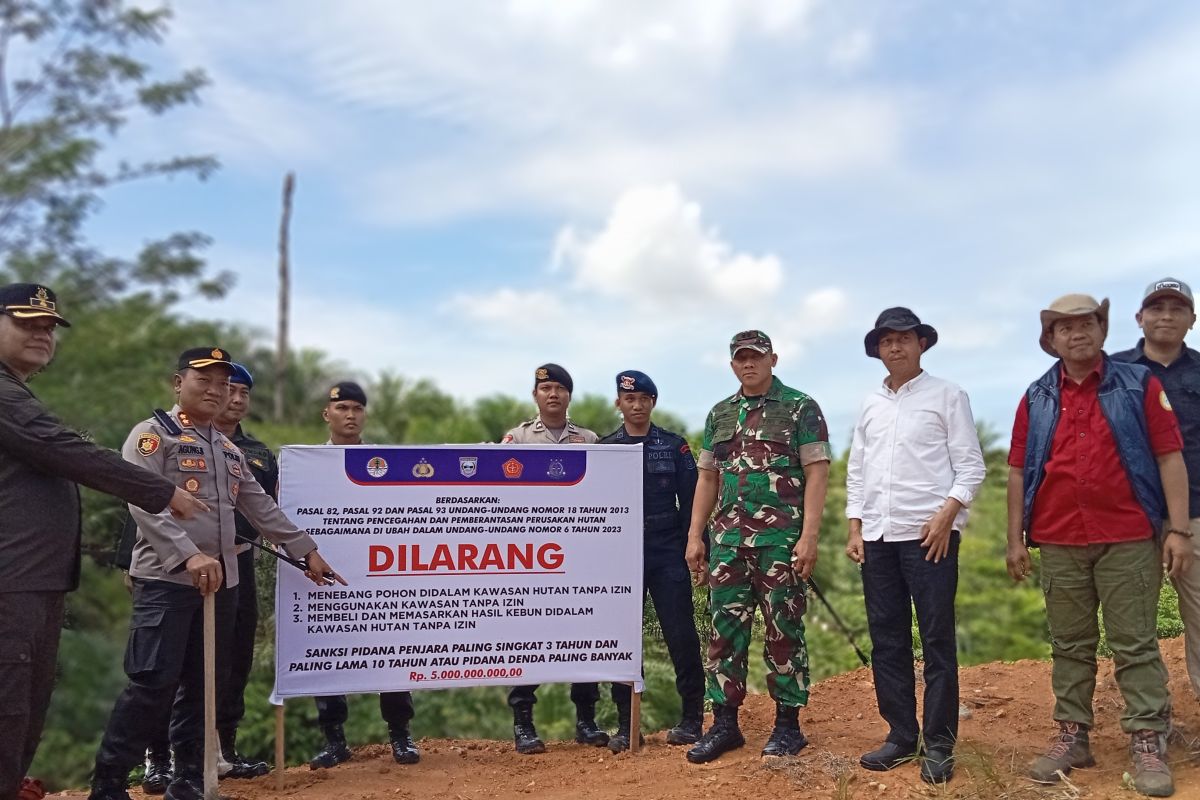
[[896, 577], [164, 661], [30, 625], [582, 694], [670, 587], [396, 708]]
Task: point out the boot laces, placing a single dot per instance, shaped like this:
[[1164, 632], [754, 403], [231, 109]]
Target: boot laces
[[1146, 754], [1063, 741]]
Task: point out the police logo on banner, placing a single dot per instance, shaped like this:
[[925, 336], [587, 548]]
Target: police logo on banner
[[468, 466], [556, 470], [422, 469], [377, 467]]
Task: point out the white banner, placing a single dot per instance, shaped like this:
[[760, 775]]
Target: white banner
[[467, 565]]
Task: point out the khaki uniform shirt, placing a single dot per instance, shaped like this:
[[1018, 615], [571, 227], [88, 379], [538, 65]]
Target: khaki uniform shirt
[[534, 431], [204, 462]]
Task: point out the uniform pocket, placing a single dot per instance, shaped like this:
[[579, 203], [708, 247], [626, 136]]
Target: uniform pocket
[[143, 653], [16, 675]]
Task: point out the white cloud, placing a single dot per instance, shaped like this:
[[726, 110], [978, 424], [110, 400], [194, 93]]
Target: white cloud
[[852, 51]]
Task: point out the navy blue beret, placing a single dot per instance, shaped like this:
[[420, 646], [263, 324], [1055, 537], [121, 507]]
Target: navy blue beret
[[241, 375], [633, 381]]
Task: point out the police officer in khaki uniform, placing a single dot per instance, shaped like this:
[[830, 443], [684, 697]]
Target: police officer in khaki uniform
[[345, 413], [552, 387], [175, 565]]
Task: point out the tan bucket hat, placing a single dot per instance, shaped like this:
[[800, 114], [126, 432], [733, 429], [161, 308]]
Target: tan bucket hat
[[1071, 305]]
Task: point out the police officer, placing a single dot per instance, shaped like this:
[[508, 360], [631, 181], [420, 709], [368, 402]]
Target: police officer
[[669, 487], [552, 387], [41, 461], [265, 470], [345, 413], [175, 566]]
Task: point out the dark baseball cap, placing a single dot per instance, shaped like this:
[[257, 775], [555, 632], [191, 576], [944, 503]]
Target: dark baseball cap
[[1168, 287], [347, 390], [201, 357], [29, 300], [750, 340]]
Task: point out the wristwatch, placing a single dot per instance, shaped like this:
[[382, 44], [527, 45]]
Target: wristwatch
[[1187, 534]]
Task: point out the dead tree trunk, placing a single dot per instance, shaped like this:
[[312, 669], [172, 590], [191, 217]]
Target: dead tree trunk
[[281, 343]]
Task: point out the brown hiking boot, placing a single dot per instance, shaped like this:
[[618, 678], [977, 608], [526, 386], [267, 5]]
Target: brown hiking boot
[[1068, 749], [1151, 775]]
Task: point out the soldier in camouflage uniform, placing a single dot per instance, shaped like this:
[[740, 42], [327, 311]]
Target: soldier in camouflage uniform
[[763, 464]]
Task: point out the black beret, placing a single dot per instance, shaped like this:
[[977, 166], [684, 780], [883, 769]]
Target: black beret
[[553, 372], [347, 390]]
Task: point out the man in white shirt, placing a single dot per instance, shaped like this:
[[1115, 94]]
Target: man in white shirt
[[915, 466]]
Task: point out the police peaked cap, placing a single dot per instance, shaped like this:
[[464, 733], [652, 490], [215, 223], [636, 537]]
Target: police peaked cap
[[201, 357], [28, 300], [633, 381], [347, 390], [553, 372]]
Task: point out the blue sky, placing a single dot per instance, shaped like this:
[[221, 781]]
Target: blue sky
[[484, 186]]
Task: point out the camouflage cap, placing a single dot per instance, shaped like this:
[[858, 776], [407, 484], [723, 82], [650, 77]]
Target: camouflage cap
[[750, 340]]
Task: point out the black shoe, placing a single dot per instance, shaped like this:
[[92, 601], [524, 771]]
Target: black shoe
[[335, 752], [185, 788], [404, 749], [786, 737], [688, 731], [525, 735], [890, 756], [619, 741], [723, 736], [586, 729], [937, 765], [158, 772], [240, 767], [108, 785]]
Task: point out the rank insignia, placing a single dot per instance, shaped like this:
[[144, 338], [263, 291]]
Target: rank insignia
[[556, 470], [228, 445], [185, 438], [185, 420], [468, 466], [192, 485], [377, 467], [513, 469], [258, 462], [147, 444], [422, 469]]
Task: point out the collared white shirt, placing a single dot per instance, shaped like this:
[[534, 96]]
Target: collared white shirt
[[912, 449]]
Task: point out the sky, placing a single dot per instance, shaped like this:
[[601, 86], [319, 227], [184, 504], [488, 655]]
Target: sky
[[608, 184]]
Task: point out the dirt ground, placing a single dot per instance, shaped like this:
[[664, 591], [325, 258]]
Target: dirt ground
[[1009, 722]]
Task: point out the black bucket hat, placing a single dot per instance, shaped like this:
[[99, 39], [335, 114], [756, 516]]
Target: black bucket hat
[[898, 318]]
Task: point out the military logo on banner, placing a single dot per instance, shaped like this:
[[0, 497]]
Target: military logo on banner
[[377, 467], [513, 469], [468, 466], [422, 469], [192, 485], [147, 444], [556, 470]]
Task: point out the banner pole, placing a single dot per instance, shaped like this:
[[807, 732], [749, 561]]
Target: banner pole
[[211, 745], [280, 743], [635, 722]]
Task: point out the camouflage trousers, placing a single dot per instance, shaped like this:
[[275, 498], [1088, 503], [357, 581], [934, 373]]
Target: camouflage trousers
[[742, 579]]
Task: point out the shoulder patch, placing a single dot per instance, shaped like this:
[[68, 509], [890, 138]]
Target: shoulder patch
[[508, 438], [148, 443]]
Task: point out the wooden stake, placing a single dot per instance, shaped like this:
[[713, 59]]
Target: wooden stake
[[279, 746], [211, 743], [635, 723]]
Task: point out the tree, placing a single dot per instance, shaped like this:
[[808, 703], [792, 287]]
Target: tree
[[69, 82]]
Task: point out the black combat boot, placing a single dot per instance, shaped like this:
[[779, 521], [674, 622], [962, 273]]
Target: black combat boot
[[404, 749], [335, 751], [786, 738], [691, 723], [109, 784], [158, 770], [239, 765], [187, 782], [619, 741], [525, 736], [586, 729], [723, 736]]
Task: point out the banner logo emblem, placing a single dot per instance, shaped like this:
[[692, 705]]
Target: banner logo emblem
[[377, 467], [468, 466], [513, 469], [556, 471], [422, 469]]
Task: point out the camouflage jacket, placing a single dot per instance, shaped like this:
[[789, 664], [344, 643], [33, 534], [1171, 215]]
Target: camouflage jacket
[[759, 447]]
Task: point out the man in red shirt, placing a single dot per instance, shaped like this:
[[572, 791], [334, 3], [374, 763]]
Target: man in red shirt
[[1097, 481]]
